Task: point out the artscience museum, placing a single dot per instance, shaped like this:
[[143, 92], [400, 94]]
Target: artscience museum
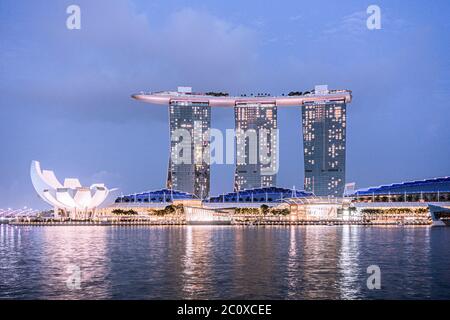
[[69, 199]]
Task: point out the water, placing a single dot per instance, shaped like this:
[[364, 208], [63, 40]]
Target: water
[[203, 262]]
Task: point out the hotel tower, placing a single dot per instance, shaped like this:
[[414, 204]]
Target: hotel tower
[[189, 169], [324, 130], [256, 145]]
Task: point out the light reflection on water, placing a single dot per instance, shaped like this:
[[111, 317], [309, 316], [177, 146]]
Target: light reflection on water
[[349, 284], [214, 262]]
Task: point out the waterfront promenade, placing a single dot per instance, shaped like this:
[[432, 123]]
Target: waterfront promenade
[[233, 223]]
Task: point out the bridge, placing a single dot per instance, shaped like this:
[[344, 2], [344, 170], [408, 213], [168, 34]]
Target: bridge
[[11, 214]]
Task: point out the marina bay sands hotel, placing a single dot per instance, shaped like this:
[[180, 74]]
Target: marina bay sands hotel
[[324, 138]]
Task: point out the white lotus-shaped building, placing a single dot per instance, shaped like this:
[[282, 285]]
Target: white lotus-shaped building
[[69, 197]]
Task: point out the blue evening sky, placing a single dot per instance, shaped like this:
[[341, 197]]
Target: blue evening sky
[[65, 94]]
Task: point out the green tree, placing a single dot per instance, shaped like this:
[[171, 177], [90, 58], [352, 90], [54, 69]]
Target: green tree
[[124, 212], [170, 209]]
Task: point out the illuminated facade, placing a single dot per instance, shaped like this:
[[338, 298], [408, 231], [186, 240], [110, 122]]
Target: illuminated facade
[[70, 198], [315, 208], [189, 169], [256, 146], [324, 121], [207, 216], [324, 136]]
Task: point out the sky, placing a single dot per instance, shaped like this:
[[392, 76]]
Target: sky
[[65, 94]]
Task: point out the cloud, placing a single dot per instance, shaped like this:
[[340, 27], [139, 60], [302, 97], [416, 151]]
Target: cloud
[[104, 175], [354, 25], [62, 90], [89, 74], [296, 17], [351, 25], [200, 46]]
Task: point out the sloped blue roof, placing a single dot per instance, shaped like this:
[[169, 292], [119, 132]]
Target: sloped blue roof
[[268, 194], [428, 185], [156, 196]]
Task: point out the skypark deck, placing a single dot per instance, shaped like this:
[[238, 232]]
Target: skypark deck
[[167, 97]]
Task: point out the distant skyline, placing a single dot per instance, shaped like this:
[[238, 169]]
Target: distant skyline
[[65, 94]]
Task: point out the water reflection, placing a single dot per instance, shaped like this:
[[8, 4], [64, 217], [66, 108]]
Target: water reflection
[[197, 262], [320, 260], [349, 283], [201, 262], [293, 265]]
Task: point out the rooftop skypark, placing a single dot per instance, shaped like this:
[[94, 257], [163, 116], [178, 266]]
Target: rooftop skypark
[[223, 99]]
